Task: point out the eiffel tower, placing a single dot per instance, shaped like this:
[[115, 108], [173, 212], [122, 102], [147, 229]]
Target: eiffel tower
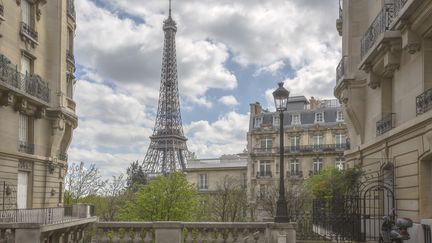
[[168, 151]]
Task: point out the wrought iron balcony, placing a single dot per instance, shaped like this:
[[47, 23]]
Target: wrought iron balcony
[[317, 148], [63, 156], [28, 31], [71, 9], [385, 124], [265, 150], [398, 5], [340, 70], [264, 174], [70, 57], [295, 173], [424, 102], [25, 147], [31, 84], [380, 25]]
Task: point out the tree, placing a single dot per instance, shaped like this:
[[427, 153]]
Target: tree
[[334, 182], [135, 176], [166, 198], [81, 181], [227, 204]]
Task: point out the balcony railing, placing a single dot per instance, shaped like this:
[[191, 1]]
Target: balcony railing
[[380, 25], [31, 84], [28, 31], [340, 70], [385, 124], [317, 148], [71, 9], [424, 102], [398, 5], [63, 156], [70, 57], [295, 173], [25, 147], [264, 174], [265, 150]]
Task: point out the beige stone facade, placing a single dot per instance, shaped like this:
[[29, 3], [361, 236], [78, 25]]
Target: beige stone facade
[[37, 111], [384, 81], [210, 174], [315, 137]]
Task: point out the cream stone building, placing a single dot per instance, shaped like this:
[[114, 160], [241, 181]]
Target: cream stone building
[[315, 137], [384, 81], [37, 110], [210, 174]]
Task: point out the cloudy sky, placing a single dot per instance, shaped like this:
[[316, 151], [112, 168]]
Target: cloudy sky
[[229, 54]]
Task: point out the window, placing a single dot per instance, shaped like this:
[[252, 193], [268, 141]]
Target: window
[[340, 140], [296, 119], [295, 143], [318, 141], [23, 128], [264, 168], [267, 144], [340, 163], [295, 167], [319, 117], [339, 116], [26, 67], [258, 121], [317, 166], [70, 40], [203, 182], [276, 121], [22, 189], [26, 13]]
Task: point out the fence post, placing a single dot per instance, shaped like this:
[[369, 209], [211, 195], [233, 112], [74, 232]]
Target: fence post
[[283, 232], [168, 232]]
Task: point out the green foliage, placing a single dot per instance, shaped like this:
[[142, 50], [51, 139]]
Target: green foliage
[[334, 182], [166, 198], [135, 176]]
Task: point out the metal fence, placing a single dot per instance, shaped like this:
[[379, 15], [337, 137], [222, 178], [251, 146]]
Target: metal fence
[[424, 102], [37, 216], [31, 84], [387, 123]]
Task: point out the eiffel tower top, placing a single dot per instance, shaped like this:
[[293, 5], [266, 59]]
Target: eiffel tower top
[[170, 23]]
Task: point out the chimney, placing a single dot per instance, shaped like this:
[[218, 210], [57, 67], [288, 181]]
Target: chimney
[[255, 108], [313, 103]]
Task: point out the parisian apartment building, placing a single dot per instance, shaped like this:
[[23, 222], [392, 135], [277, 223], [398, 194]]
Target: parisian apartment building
[[384, 82], [37, 110], [315, 137]]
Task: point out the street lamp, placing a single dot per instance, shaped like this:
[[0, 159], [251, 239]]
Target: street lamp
[[280, 96]]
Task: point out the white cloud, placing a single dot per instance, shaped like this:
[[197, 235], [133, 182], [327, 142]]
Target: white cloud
[[227, 135], [228, 100]]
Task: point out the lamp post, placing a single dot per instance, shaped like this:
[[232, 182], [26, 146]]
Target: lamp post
[[280, 96]]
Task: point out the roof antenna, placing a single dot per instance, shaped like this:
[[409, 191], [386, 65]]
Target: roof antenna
[[169, 8]]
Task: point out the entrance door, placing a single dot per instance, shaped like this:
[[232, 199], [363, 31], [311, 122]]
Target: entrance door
[[22, 189]]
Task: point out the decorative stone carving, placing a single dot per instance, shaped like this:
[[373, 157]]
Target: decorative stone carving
[[40, 113], [21, 105], [51, 167], [6, 99]]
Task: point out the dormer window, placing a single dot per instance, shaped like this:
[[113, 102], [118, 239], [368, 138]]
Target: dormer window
[[319, 117], [258, 122], [339, 116], [296, 119]]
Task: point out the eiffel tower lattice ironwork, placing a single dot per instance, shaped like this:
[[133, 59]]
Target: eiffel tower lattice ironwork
[[168, 151]]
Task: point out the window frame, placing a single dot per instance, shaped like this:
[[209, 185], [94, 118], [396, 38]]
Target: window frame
[[258, 121], [319, 115], [340, 163], [203, 181], [295, 167], [318, 165], [340, 116], [264, 168], [296, 119]]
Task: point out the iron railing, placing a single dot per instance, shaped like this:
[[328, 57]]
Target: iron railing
[[31, 84], [424, 102], [317, 148], [295, 173], [264, 174], [25, 147], [29, 31], [63, 156], [266, 150], [38, 216], [385, 124], [71, 9], [398, 5], [380, 25], [70, 57], [340, 70]]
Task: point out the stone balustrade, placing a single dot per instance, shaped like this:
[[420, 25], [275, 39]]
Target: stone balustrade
[[182, 232]]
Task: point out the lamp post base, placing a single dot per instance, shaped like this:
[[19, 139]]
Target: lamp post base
[[281, 212]]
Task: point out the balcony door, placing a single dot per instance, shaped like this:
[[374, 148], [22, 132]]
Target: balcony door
[[22, 189], [25, 69]]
